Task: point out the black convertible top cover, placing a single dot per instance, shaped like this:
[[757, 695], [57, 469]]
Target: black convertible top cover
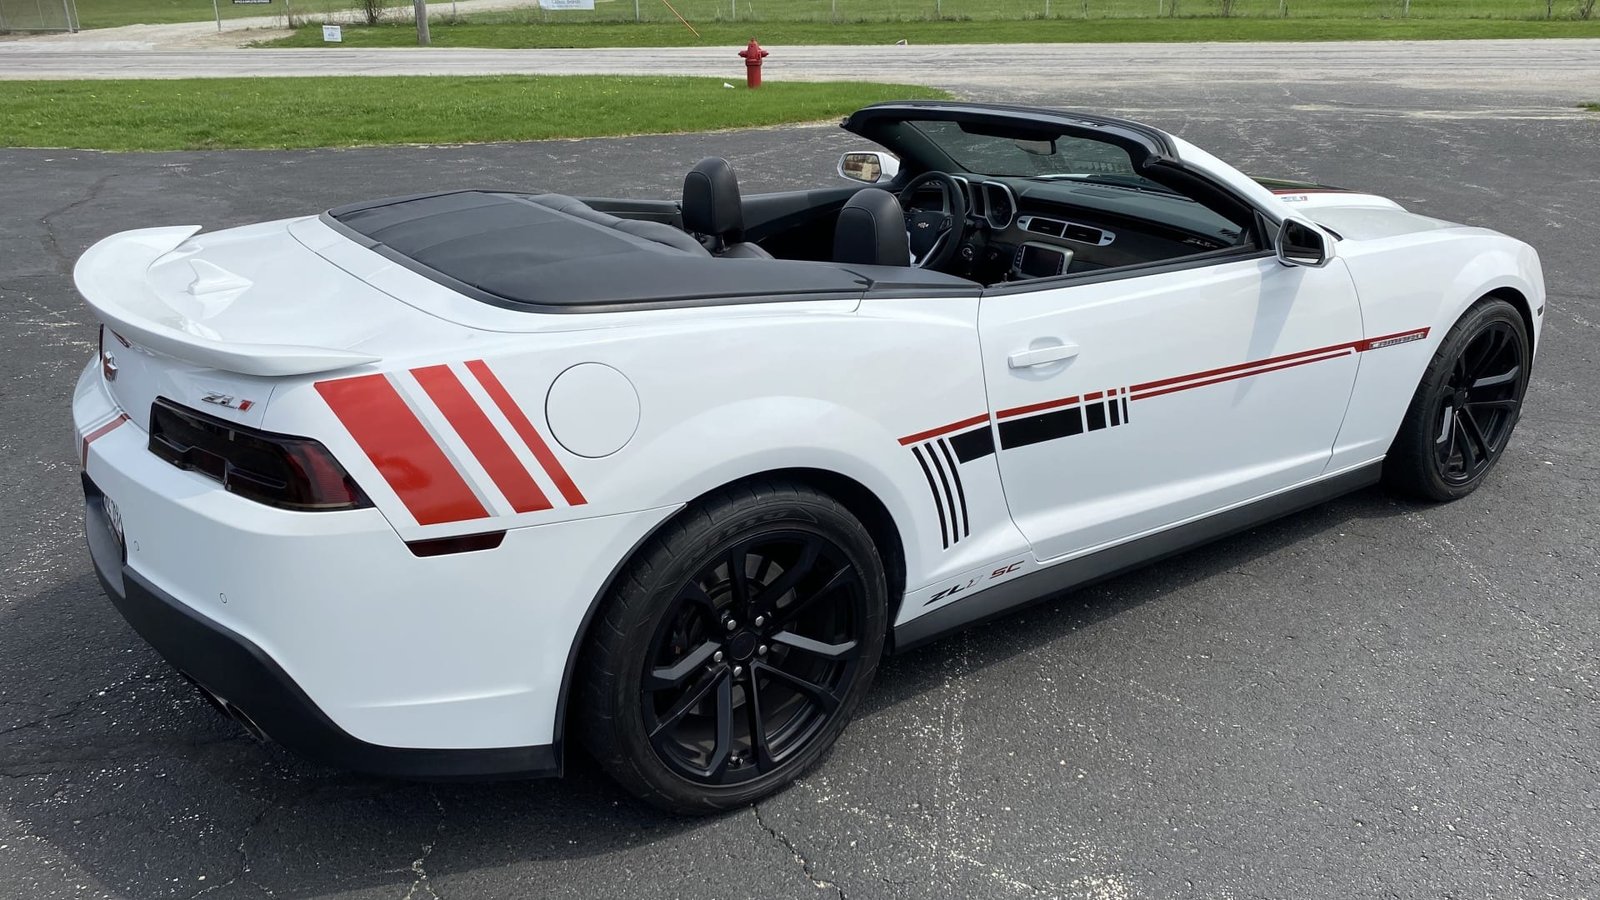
[[552, 253]]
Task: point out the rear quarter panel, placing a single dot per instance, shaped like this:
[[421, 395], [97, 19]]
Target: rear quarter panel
[[722, 394]]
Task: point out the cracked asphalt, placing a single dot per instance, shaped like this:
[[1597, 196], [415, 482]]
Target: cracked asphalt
[[1371, 699]]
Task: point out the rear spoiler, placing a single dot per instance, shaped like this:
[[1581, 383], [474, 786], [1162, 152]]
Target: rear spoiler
[[113, 277]]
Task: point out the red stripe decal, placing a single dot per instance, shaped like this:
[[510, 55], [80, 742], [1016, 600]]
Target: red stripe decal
[[1036, 407], [530, 435], [99, 433], [405, 453], [946, 429], [1237, 375], [482, 438], [1239, 367]]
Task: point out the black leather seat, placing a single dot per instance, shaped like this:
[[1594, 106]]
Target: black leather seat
[[872, 231], [711, 208]]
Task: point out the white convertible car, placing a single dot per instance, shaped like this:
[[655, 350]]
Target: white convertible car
[[432, 486]]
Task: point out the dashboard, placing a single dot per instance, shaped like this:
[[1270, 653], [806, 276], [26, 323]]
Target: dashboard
[[1027, 228]]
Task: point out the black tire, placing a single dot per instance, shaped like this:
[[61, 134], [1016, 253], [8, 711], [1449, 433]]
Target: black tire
[[1465, 407], [661, 706]]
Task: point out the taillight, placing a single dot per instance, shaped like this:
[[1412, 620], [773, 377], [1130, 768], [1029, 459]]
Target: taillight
[[275, 469]]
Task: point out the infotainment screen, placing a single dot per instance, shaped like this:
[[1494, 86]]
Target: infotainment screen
[[1039, 261]]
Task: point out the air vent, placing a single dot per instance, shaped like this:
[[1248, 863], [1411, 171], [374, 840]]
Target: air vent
[[1084, 233], [1072, 231], [1047, 226]]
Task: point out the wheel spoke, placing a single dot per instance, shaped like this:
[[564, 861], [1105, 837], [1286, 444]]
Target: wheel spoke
[[1469, 455], [781, 617], [758, 728], [692, 698], [1475, 434], [672, 676], [1487, 347], [845, 650], [738, 577], [1497, 380], [720, 754], [697, 595], [792, 575], [1494, 405], [816, 693]]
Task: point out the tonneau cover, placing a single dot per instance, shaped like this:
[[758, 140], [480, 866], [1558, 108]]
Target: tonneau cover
[[550, 253]]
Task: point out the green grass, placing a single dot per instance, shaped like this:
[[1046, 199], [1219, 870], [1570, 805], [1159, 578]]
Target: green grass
[[110, 13], [1591, 107], [233, 113], [516, 35]]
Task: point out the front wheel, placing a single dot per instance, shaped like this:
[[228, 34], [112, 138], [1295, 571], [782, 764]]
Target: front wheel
[[734, 648], [1465, 407]]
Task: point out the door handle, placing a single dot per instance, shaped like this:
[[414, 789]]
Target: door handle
[[1040, 356]]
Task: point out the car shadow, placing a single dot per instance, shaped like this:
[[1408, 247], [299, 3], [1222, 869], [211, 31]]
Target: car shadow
[[115, 761]]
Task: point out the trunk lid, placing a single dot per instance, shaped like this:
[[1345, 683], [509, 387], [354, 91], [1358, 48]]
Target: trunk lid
[[215, 321]]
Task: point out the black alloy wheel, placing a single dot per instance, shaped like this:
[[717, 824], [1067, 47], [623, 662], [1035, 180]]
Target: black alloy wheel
[[734, 648], [756, 654], [1479, 404], [1465, 407]]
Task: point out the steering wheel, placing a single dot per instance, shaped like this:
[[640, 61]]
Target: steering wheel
[[935, 234]]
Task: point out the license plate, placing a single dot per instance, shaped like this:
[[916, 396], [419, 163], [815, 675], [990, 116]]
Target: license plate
[[114, 516]]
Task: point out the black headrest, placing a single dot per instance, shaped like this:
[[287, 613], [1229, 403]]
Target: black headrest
[[872, 231], [711, 200]]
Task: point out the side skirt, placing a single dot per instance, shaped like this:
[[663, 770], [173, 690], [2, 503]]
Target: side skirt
[[1112, 561]]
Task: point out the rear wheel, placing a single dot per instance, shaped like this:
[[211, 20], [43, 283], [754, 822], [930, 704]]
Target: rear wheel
[[1466, 406], [734, 648]]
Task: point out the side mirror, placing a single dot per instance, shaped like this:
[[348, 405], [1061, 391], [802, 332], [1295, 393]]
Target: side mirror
[[1301, 243], [869, 166]]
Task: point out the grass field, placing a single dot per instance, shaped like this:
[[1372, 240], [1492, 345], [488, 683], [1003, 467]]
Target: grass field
[[475, 33], [110, 13], [1591, 107], [235, 113]]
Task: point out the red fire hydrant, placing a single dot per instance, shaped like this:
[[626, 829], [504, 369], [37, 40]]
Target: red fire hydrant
[[753, 55]]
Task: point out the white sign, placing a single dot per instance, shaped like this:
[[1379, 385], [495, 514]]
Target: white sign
[[333, 34], [566, 4]]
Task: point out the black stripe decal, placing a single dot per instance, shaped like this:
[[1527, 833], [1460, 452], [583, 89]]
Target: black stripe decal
[[1125, 419], [1037, 429], [961, 492], [974, 444], [949, 497], [1096, 412], [944, 528], [1116, 412]]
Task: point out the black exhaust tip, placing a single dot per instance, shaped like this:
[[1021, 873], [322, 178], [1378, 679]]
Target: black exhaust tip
[[228, 709]]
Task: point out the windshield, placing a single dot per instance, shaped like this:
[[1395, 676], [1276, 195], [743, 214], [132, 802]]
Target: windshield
[[1041, 156]]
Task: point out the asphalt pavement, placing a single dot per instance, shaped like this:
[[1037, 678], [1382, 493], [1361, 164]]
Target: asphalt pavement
[[1375, 698]]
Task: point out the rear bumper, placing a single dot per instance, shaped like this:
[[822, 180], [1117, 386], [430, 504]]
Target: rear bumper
[[239, 675]]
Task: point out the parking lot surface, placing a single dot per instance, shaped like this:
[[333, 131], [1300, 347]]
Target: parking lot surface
[[1371, 699]]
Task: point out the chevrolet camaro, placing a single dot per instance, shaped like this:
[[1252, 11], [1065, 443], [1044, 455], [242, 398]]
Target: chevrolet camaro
[[437, 486]]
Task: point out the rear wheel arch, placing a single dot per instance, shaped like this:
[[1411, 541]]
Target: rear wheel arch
[[854, 496]]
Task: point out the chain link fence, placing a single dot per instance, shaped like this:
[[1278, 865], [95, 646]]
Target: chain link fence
[[65, 15], [846, 11], [38, 15]]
